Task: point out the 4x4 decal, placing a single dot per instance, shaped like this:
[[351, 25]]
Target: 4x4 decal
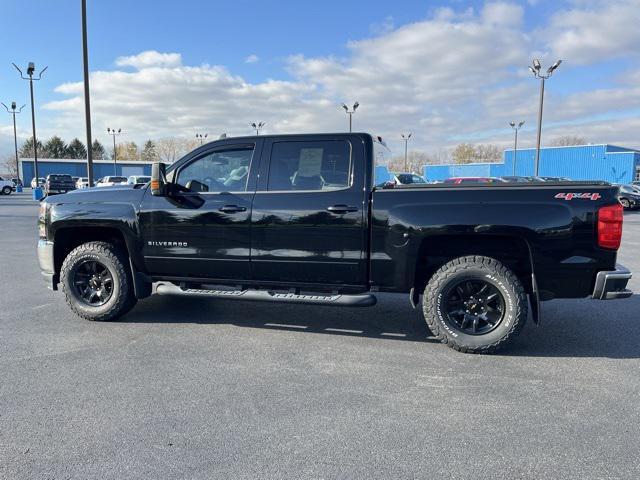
[[583, 196]]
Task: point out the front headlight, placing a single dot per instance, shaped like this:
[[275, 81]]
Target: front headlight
[[42, 220]]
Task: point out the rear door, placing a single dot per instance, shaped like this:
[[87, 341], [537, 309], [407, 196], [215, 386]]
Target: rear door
[[309, 211]]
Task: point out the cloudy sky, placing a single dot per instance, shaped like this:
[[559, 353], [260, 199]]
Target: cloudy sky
[[449, 72]]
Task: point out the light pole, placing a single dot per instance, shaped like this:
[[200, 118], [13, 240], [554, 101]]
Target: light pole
[[350, 113], [535, 69], [113, 133], [31, 68], [202, 137], [258, 126], [406, 141], [13, 112], [515, 143], [87, 102]]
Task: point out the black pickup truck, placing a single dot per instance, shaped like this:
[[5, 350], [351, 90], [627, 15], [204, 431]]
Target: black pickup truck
[[296, 218], [58, 183]]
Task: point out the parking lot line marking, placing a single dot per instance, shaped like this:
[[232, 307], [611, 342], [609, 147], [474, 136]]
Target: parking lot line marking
[[284, 325], [38, 307], [389, 334], [342, 330]]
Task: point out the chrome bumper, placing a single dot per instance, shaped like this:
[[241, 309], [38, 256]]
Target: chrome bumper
[[612, 285], [46, 261]]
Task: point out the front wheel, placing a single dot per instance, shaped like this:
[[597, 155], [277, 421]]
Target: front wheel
[[97, 282], [625, 203], [475, 304], [6, 190]]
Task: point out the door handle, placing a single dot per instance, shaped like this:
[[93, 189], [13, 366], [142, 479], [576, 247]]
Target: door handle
[[340, 209], [232, 209]]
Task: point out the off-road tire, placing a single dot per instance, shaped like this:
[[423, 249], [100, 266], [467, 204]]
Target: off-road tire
[[115, 260], [472, 268]]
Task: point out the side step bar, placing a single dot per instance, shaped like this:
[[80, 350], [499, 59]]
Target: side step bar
[[339, 300]]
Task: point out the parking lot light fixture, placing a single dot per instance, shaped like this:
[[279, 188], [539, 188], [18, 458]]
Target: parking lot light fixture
[[13, 111], [406, 141], [515, 127], [113, 133], [535, 69], [350, 112], [31, 68], [258, 126], [202, 137]]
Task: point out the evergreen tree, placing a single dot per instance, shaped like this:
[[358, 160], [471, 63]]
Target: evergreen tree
[[149, 152], [98, 151], [76, 149], [26, 150], [55, 148]]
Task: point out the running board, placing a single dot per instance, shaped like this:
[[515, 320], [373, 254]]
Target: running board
[[338, 300]]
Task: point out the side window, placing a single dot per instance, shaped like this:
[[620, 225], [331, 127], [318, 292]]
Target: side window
[[318, 166], [220, 171]]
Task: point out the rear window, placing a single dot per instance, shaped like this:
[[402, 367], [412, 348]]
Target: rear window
[[117, 179], [60, 177]]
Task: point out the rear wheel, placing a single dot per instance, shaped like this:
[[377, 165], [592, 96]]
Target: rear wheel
[[97, 282], [6, 190], [475, 304]]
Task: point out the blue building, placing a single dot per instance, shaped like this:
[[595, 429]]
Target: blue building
[[78, 168], [582, 162]]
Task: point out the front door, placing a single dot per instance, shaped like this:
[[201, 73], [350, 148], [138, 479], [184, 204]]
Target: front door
[[202, 230], [309, 212]]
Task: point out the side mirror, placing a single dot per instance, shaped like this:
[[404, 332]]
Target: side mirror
[[158, 179]]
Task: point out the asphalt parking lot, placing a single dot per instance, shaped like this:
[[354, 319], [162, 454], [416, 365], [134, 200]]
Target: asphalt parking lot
[[202, 389]]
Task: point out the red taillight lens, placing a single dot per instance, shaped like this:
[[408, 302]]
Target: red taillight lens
[[610, 226]]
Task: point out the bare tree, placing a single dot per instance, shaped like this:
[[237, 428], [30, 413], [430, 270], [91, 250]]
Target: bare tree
[[170, 149], [568, 140], [8, 165], [127, 151]]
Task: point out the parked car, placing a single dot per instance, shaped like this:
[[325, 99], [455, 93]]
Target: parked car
[[138, 179], [553, 179], [636, 183], [40, 183], [516, 179], [6, 186], [110, 181], [58, 183], [407, 178], [282, 233], [629, 197], [82, 182], [463, 180]]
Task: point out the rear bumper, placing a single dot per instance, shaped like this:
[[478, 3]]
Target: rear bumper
[[47, 266], [611, 285]]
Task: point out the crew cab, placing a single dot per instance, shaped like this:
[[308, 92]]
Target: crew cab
[[296, 218]]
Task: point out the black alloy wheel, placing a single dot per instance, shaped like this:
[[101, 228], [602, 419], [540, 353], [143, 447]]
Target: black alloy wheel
[[474, 306], [93, 283]]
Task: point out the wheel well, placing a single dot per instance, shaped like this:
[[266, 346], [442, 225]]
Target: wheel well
[[66, 239], [438, 250]]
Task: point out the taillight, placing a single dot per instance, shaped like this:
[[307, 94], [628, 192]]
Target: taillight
[[610, 226]]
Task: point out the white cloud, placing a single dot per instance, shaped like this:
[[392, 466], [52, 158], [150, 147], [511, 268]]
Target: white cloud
[[456, 76], [149, 59], [595, 30], [252, 59]]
